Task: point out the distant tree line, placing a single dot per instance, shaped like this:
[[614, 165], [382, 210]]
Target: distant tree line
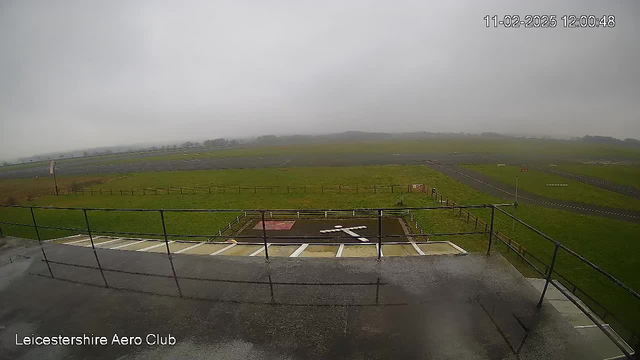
[[219, 143]]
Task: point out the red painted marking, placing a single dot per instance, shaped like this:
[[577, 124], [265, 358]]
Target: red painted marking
[[275, 225]]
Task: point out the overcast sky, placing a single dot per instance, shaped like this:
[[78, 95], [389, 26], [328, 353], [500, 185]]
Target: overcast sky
[[78, 74]]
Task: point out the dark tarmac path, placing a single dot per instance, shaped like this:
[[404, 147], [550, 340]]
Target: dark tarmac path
[[496, 188]]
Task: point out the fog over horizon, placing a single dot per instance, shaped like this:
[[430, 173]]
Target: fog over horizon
[[80, 74]]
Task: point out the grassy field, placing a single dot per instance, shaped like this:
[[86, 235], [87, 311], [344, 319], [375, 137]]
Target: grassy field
[[535, 182], [476, 146], [619, 174], [606, 242]]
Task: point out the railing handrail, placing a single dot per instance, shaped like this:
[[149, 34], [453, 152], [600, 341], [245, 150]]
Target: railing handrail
[[575, 254]]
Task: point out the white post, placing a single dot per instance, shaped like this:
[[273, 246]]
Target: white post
[[513, 221]]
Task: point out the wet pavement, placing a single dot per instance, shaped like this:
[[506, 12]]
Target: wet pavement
[[436, 307]]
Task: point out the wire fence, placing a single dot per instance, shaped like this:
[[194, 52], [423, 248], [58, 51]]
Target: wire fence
[[249, 189]]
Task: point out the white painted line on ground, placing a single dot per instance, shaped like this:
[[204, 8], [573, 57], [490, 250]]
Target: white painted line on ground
[[65, 238], [125, 245], [259, 250], [109, 242], [76, 241], [415, 246], [462, 251], [619, 357], [340, 250], [585, 326], [299, 250], [189, 248], [155, 246], [223, 249]]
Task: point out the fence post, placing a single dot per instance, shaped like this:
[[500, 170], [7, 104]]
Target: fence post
[[476, 222], [93, 246], [264, 237], [468, 215], [379, 234], [180, 191], [493, 209], [549, 274], [392, 189], [166, 242], [35, 226]]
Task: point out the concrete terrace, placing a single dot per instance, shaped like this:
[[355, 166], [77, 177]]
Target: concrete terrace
[[437, 307]]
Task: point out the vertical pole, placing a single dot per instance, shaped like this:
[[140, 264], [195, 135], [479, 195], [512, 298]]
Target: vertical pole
[[35, 226], [549, 274], [93, 246], [493, 210], [209, 189], [166, 242], [264, 237], [55, 181], [513, 221], [379, 234]]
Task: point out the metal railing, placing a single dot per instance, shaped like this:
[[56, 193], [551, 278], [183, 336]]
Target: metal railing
[[378, 213], [630, 337]]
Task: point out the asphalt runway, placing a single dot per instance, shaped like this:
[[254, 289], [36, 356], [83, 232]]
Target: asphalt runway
[[493, 187], [96, 166]]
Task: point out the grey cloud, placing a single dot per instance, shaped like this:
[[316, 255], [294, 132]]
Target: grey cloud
[[91, 73]]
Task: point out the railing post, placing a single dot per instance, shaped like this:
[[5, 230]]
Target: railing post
[[549, 274], [35, 226], [166, 242], [379, 234], [493, 210], [93, 246], [264, 237]]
